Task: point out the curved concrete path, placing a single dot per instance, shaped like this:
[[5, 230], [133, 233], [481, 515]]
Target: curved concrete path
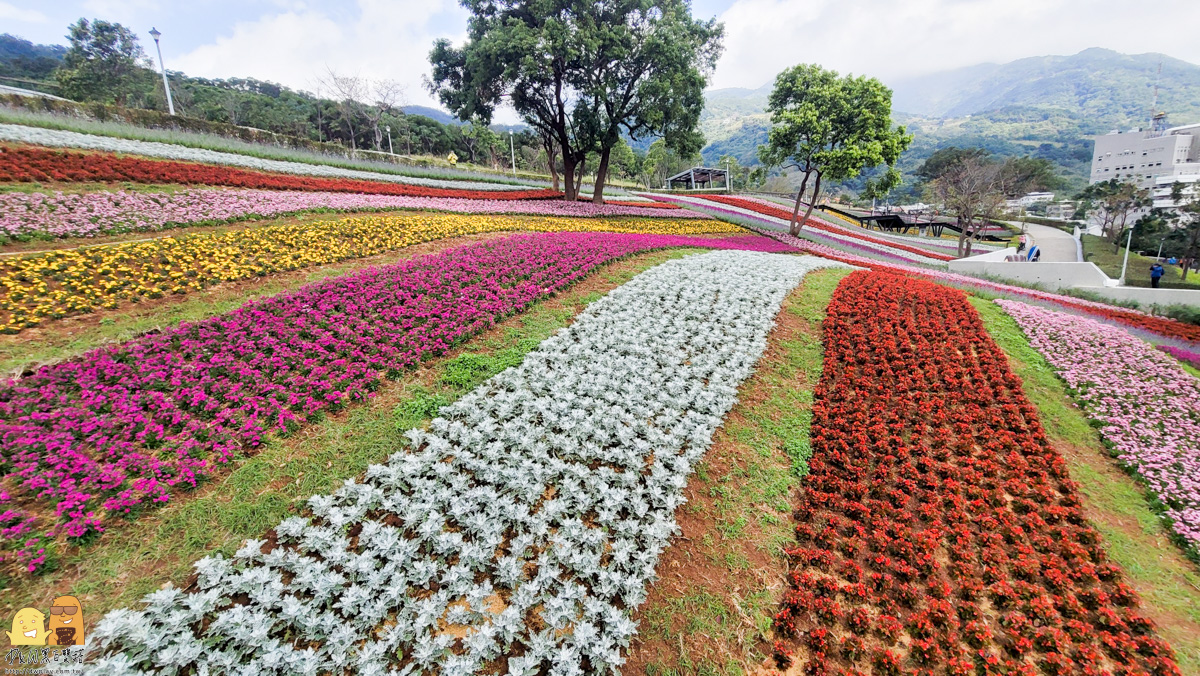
[[1056, 245]]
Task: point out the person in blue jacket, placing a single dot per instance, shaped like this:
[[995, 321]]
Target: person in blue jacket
[[1156, 274]]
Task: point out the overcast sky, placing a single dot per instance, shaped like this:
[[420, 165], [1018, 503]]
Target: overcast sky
[[292, 41]]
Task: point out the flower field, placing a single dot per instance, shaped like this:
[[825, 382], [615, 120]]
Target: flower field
[[90, 214], [777, 212], [518, 531], [57, 284], [25, 164], [473, 455], [1147, 406], [117, 429], [937, 531]]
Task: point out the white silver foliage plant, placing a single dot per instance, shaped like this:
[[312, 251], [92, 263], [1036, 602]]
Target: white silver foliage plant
[[524, 525]]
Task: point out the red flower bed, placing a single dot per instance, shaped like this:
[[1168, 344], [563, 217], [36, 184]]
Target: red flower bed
[[938, 531], [779, 212], [25, 164]]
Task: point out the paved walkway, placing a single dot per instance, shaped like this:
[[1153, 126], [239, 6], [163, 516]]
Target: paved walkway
[[1056, 245]]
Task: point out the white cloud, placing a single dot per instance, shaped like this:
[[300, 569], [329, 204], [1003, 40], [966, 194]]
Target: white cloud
[[111, 10], [380, 39], [10, 13], [890, 40]]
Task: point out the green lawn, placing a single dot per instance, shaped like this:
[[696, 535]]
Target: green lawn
[[1097, 251]]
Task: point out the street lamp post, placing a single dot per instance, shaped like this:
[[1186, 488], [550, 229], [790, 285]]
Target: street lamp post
[[166, 85], [1125, 264], [389, 131], [728, 182], [513, 149]]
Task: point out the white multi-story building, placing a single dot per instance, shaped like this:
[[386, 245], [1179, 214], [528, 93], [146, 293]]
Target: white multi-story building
[[1149, 158]]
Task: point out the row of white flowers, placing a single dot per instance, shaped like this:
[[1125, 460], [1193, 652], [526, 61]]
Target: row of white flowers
[[57, 138], [520, 528]]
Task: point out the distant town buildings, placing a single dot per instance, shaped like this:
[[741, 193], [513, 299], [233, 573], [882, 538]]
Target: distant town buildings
[[1061, 211], [1028, 200]]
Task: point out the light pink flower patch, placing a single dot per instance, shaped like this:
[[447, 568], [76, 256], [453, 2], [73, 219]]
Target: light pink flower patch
[[1147, 406]]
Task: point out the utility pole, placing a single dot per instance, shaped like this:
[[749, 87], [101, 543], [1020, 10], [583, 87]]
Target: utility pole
[[1125, 264], [166, 85], [513, 149]]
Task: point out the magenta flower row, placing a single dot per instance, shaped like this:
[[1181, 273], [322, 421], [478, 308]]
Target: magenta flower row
[[1147, 405], [98, 213], [122, 426]]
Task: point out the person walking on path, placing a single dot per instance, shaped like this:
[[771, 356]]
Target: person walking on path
[[1156, 274]]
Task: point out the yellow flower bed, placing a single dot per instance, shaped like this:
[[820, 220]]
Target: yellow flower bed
[[57, 284]]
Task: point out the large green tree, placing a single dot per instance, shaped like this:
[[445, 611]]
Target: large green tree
[[103, 62], [831, 128], [644, 68], [581, 73]]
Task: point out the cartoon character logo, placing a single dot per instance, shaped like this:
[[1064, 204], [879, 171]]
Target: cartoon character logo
[[28, 627], [66, 621]]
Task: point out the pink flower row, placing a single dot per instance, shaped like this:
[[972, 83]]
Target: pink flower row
[[1147, 406], [99, 213]]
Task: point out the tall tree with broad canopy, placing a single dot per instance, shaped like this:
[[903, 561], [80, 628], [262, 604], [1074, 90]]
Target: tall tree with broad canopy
[[581, 72], [645, 66], [102, 63], [831, 128]]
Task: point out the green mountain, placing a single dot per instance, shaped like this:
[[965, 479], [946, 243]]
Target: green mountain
[[1045, 106], [1104, 87]]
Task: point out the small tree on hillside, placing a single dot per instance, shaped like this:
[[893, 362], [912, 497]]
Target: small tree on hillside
[[349, 91], [944, 158], [1187, 206], [102, 63], [972, 189], [386, 96], [831, 128], [479, 139], [1021, 175], [1112, 202]]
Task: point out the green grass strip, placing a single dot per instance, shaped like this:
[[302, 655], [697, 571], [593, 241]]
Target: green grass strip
[[751, 507]]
